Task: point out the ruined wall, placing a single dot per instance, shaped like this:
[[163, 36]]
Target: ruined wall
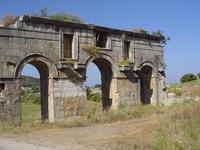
[[40, 42]]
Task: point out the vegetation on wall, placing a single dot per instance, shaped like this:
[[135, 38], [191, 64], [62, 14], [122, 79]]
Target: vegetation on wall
[[163, 39], [124, 62], [92, 49], [8, 20], [59, 16]]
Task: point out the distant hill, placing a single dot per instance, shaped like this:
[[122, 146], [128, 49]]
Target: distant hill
[[30, 82]]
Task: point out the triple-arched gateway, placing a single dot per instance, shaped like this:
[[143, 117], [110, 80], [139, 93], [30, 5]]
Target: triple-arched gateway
[[131, 66]]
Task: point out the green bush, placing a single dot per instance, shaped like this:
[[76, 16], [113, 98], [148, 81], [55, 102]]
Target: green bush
[[188, 77]]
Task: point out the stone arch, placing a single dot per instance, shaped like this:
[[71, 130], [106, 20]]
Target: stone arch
[[147, 83], [47, 71], [104, 64], [36, 58], [100, 55]]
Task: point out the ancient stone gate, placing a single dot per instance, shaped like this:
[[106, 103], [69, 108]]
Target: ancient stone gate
[[131, 66]]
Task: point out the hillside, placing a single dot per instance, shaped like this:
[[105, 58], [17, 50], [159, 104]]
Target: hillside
[[188, 89], [28, 81]]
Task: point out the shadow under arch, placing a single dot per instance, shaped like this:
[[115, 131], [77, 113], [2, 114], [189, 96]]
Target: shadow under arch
[[105, 67], [47, 71], [146, 89]]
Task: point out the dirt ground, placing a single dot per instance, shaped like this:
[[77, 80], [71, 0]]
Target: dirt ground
[[132, 134]]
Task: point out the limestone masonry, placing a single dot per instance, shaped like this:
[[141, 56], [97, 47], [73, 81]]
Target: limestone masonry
[[131, 65]]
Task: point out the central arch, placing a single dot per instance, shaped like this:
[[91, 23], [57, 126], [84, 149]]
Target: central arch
[[47, 71], [105, 68]]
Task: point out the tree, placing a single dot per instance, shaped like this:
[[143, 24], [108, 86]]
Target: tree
[[188, 77]]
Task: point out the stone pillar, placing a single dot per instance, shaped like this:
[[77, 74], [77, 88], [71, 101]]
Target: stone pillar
[[124, 92], [69, 98], [51, 101]]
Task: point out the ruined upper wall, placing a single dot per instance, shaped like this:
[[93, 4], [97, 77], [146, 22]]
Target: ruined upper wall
[[33, 35]]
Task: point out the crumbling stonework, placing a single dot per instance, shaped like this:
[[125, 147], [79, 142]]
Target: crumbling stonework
[[55, 48]]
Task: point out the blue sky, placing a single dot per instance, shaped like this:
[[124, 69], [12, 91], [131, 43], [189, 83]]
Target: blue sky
[[178, 19]]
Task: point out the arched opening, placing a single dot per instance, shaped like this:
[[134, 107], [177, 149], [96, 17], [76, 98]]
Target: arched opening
[[105, 77], [44, 92], [146, 90], [30, 94]]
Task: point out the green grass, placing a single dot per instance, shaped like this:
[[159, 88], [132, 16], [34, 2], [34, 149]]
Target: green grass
[[31, 113]]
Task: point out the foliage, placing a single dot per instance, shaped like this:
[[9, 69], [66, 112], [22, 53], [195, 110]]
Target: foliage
[[158, 33], [61, 16], [124, 62], [31, 97], [179, 129], [8, 20], [175, 89], [95, 97], [188, 77], [92, 49], [163, 39]]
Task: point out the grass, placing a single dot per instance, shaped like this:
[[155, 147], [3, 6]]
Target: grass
[[174, 127], [30, 113], [191, 89], [180, 128]]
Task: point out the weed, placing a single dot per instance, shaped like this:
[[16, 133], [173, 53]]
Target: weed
[[92, 49]]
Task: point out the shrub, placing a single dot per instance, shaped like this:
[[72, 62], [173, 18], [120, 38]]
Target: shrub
[[60, 16], [124, 62], [95, 97], [8, 19], [163, 39], [92, 49], [188, 77]]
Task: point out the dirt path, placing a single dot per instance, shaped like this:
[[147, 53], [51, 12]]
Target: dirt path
[[8, 144], [102, 136]]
